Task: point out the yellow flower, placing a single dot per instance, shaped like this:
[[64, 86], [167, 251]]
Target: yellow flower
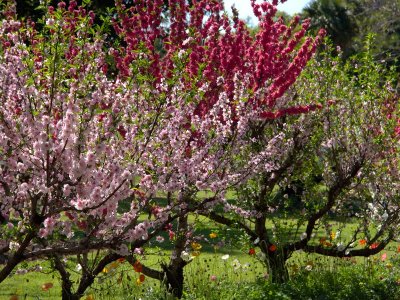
[[213, 235], [196, 246], [105, 270], [140, 280], [195, 253], [333, 235], [90, 297]]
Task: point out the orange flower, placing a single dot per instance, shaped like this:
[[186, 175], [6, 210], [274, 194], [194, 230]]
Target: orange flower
[[322, 240], [196, 246], [195, 253], [137, 266], [363, 242], [374, 246], [140, 280], [14, 297], [252, 251], [398, 249], [90, 297], [328, 244], [272, 248], [121, 260], [47, 286]]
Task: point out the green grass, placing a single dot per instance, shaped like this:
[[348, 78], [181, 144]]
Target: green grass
[[241, 276], [324, 277]]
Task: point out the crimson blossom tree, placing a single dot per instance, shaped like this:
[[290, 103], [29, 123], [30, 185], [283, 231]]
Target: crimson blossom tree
[[89, 135], [227, 81]]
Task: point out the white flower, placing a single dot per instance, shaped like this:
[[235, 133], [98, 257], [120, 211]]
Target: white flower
[[21, 271], [14, 246], [261, 256], [385, 216], [256, 241], [225, 257], [78, 267], [236, 264], [38, 268], [340, 247], [303, 236], [308, 267], [186, 256]]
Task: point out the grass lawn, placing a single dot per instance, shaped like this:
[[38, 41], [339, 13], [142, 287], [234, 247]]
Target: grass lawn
[[210, 277], [241, 275]]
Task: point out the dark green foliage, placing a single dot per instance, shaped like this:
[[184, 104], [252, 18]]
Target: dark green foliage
[[336, 18], [349, 22]]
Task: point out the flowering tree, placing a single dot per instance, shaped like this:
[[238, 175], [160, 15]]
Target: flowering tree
[[227, 82], [89, 136], [341, 161], [72, 146]]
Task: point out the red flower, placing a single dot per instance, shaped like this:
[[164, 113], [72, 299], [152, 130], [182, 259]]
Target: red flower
[[374, 246], [252, 251], [272, 248], [137, 266]]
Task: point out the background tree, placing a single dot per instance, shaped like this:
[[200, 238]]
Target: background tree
[[337, 19], [379, 18], [349, 22]]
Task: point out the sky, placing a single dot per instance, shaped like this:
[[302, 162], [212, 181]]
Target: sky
[[245, 10]]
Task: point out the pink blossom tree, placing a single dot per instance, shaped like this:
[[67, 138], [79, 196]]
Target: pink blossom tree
[[74, 147]]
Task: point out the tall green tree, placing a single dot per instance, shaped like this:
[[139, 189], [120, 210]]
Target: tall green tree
[[381, 18], [336, 18]]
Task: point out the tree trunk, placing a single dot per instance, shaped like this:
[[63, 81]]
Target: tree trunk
[[66, 295], [174, 279], [277, 267], [173, 273], [66, 283]]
